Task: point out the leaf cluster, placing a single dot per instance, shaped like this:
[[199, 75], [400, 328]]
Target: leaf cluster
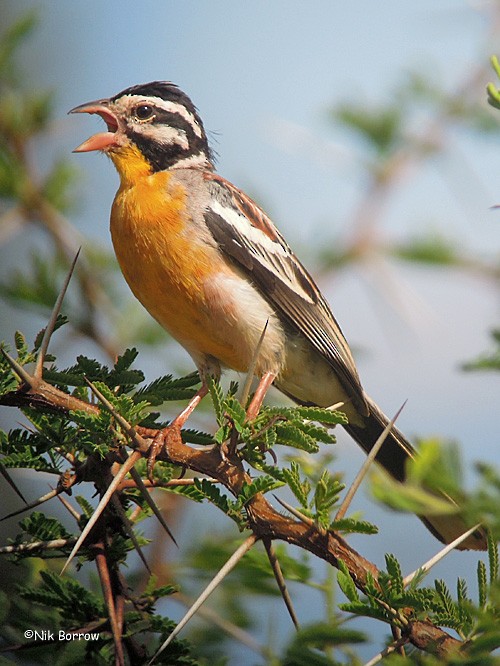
[[302, 428], [73, 607], [390, 600]]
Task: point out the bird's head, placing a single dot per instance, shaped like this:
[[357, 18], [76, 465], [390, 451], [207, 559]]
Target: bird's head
[[155, 121]]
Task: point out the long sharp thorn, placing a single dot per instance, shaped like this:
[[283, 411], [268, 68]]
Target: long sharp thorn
[[439, 556], [131, 432], [10, 481], [18, 369], [144, 491], [366, 465], [280, 579], [68, 507], [251, 368], [42, 352], [133, 472], [218, 578], [123, 471], [304, 519], [32, 505], [135, 475], [130, 530]]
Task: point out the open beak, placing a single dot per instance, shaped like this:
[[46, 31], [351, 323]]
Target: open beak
[[102, 140]]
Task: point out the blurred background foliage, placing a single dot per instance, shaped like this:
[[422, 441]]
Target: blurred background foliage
[[389, 141]]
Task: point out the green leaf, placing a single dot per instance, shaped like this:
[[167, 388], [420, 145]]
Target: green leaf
[[166, 388], [492, 559], [431, 249], [38, 287], [86, 507], [352, 525], [300, 489], [394, 572], [447, 603], [290, 435], [365, 610], [310, 643], [380, 127], [27, 449], [261, 484], [217, 397], [191, 492], [346, 582], [43, 528], [75, 603], [321, 415], [327, 491], [410, 498], [214, 495], [482, 580], [493, 92], [236, 412]]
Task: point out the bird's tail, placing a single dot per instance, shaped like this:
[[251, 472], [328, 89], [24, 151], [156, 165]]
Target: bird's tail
[[393, 456]]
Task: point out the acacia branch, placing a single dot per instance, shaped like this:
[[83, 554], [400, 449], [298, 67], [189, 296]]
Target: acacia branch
[[264, 520]]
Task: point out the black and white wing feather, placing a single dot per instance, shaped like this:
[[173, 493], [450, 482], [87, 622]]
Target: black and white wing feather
[[249, 237]]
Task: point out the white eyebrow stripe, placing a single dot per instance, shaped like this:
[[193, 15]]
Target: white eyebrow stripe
[[171, 107], [164, 134]]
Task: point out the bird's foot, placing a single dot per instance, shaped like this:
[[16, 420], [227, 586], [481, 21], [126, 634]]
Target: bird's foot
[[161, 441]]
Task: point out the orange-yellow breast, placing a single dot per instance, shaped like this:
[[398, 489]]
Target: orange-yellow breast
[[174, 274]]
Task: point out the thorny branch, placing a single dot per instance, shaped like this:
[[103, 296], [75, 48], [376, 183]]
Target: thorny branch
[[264, 520]]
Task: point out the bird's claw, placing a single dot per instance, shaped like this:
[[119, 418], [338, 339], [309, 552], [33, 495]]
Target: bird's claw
[[161, 442]]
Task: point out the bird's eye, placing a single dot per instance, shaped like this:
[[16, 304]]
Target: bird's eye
[[143, 112]]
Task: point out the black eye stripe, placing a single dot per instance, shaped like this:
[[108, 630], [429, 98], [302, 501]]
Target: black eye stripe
[[159, 116]]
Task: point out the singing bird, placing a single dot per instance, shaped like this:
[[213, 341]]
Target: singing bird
[[210, 266]]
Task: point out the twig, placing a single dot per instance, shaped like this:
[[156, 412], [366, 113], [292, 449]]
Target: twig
[[105, 579], [139, 440], [388, 650], [68, 507], [265, 521], [35, 545], [173, 483]]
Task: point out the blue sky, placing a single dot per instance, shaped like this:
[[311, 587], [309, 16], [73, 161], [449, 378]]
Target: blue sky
[[257, 69], [255, 72]]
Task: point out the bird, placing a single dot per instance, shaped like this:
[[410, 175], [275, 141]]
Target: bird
[[211, 267]]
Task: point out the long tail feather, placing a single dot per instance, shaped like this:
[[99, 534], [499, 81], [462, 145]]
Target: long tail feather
[[393, 456]]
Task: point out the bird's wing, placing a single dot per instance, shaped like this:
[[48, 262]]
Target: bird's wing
[[249, 238]]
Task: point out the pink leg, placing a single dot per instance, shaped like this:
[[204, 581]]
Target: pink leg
[[260, 394], [181, 418], [173, 429]]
